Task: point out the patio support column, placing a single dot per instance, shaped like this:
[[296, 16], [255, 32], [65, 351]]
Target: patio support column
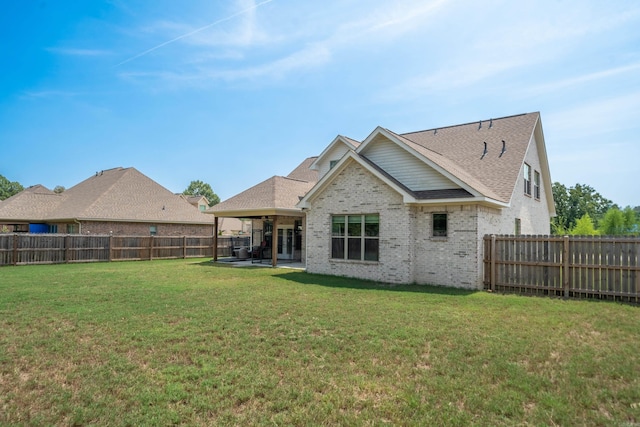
[[274, 242], [215, 239]]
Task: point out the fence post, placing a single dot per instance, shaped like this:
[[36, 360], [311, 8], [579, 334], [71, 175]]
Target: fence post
[[151, 248], [15, 249], [492, 254], [110, 247], [215, 239], [565, 262], [184, 247]]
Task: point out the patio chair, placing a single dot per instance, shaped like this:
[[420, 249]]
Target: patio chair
[[257, 251]]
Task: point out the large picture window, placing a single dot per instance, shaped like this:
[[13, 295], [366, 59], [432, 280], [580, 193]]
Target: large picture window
[[355, 237]]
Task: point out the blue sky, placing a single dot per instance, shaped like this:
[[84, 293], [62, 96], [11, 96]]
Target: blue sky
[[233, 92]]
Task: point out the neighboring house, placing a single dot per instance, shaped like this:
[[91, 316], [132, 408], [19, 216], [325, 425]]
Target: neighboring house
[[199, 202], [226, 226], [119, 201], [414, 207]]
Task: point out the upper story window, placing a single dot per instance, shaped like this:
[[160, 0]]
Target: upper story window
[[536, 185], [355, 237], [332, 163], [439, 225], [527, 179]]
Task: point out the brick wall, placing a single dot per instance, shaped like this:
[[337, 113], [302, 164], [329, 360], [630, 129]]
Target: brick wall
[[139, 229], [356, 191], [408, 252]]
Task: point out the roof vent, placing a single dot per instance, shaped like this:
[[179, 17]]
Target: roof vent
[[490, 123], [484, 153], [435, 131], [480, 126], [504, 148]]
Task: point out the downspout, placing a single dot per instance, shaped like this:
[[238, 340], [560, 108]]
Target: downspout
[[79, 225]]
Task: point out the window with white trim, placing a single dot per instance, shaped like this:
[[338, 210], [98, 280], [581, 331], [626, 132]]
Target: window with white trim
[[355, 237], [536, 185], [527, 179]]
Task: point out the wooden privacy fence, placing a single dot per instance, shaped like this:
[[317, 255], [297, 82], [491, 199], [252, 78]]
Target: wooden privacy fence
[[20, 249], [568, 266]]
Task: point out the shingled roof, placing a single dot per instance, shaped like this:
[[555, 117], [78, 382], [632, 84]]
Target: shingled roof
[[277, 195], [493, 175], [119, 194], [458, 154]]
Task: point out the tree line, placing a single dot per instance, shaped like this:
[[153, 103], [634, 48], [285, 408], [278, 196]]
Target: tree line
[[581, 210]]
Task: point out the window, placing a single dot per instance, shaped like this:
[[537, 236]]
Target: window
[[332, 163], [439, 225], [355, 237], [527, 179], [536, 185], [153, 230], [72, 228], [518, 227]]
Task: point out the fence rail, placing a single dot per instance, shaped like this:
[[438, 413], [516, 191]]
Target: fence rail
[[568, 266], [21, 249]]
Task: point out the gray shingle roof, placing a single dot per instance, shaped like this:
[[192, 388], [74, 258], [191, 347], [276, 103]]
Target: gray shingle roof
[[273, 194], [119, 194], [277, 192], [463, 145]]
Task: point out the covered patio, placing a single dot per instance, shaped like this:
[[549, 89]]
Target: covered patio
[[277, 225]]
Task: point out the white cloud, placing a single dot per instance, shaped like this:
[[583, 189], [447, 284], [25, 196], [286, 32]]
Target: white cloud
[[78, 52]]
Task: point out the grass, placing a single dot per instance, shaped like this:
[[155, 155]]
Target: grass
[[187, 342]]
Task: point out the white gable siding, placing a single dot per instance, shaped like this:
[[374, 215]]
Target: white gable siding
[[335, 153], [406, 168], [533, 213]]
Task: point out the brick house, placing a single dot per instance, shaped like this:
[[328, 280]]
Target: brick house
[[119, 201], [413, 207]]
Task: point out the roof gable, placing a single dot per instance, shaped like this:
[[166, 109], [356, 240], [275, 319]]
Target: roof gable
[[413, 172], [334, 151]]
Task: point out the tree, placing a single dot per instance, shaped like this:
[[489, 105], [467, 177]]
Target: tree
[[199, 188], [613, 223], [584, 227], [574, 202], [8, 188], [617, 222], [59, 189]]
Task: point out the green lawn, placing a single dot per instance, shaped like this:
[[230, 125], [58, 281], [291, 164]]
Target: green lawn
[[187, 342]]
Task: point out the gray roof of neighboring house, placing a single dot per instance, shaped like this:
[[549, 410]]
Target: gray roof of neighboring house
[[119, 194]]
